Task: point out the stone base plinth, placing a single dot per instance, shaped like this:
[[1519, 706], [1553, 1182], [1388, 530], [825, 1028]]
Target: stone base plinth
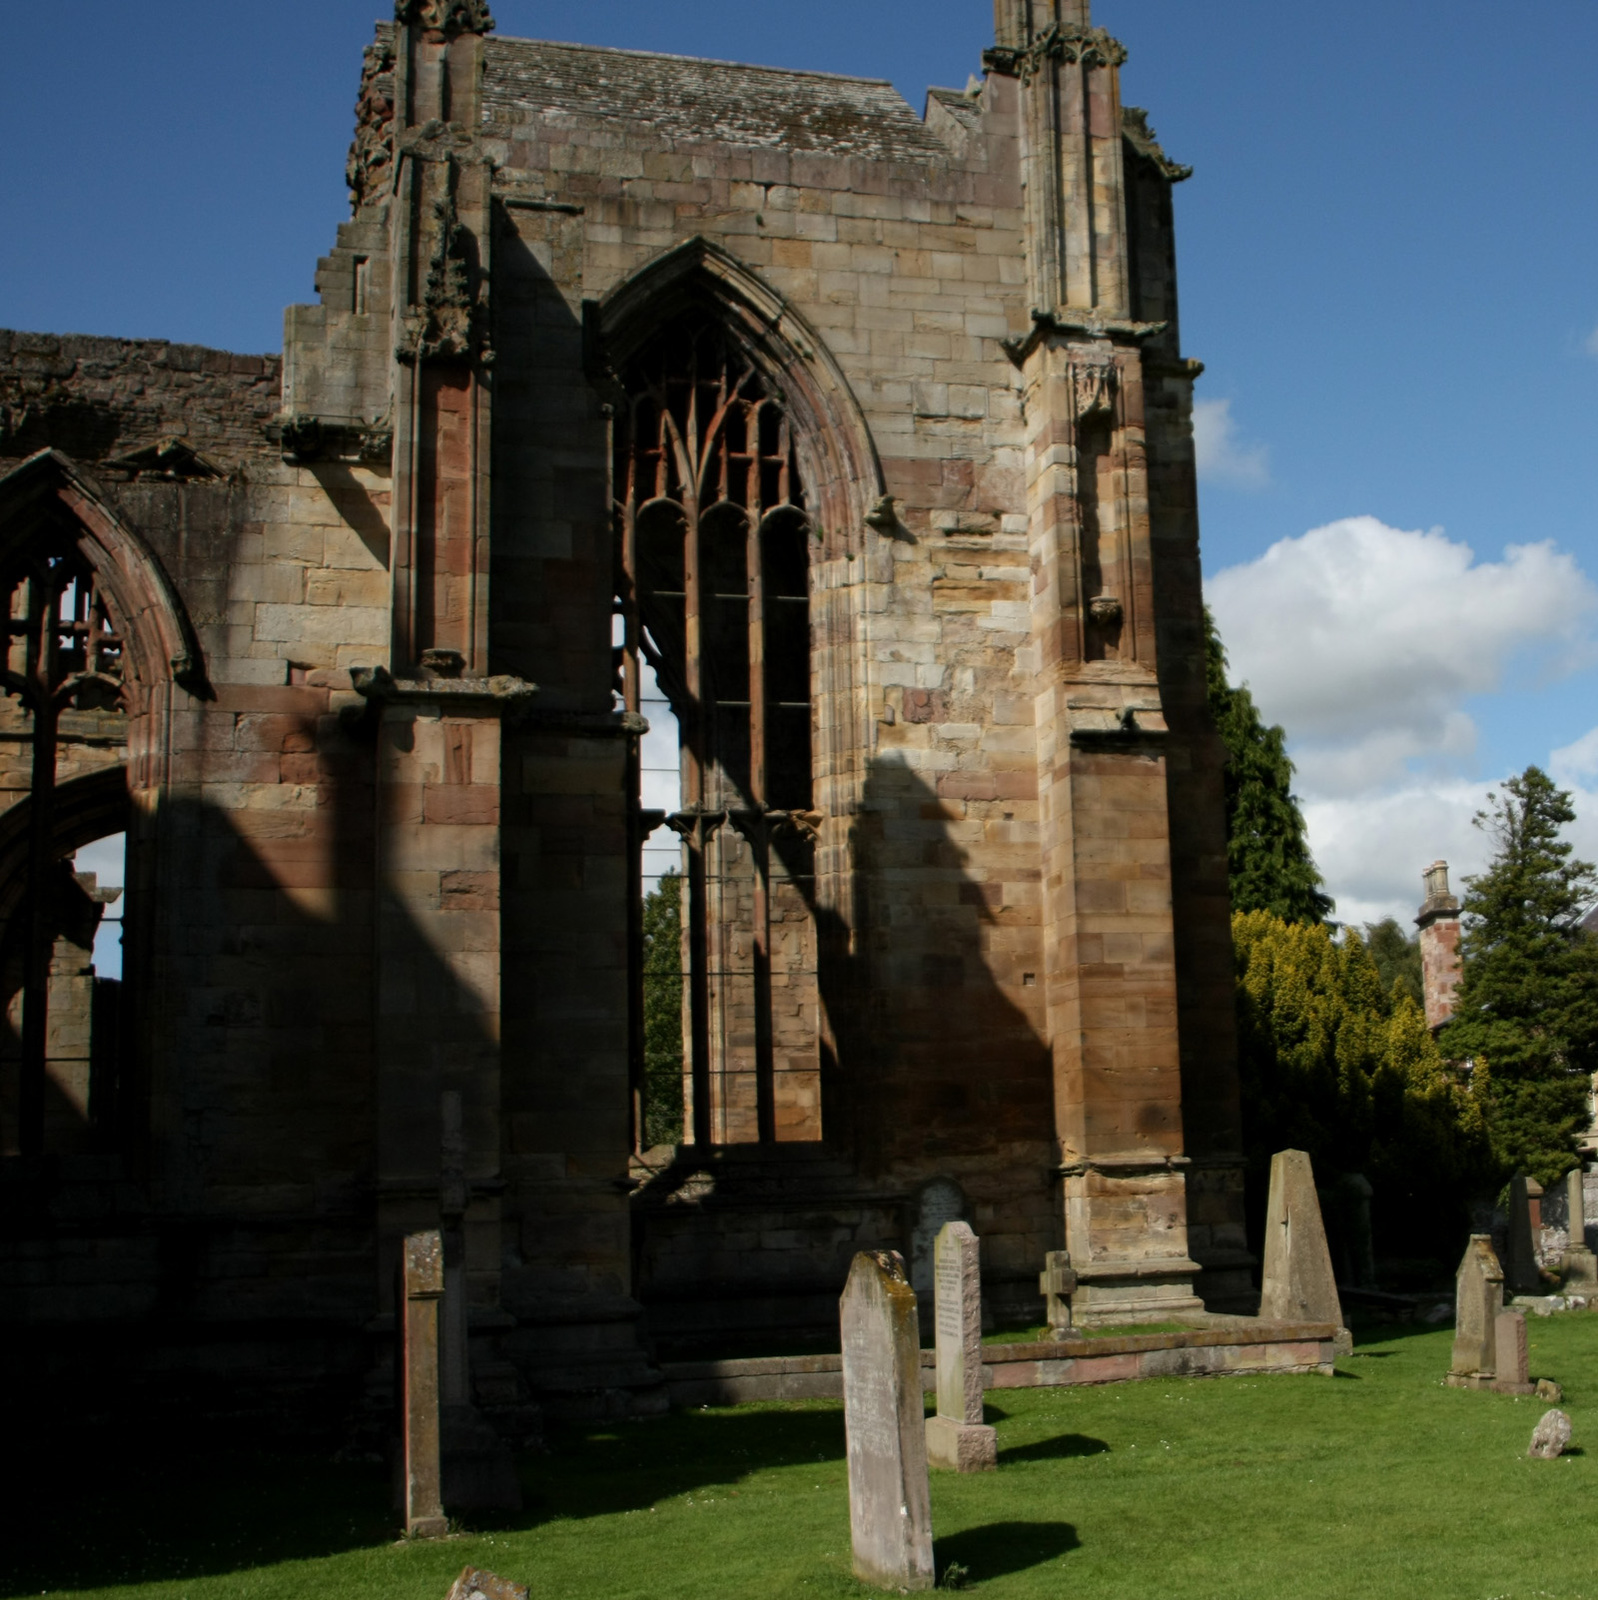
[[1486, 1380], [961, 1446], [1110, 1293]]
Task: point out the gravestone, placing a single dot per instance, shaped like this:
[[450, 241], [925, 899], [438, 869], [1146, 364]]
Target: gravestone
[[475, 1584], [1580, 1264], [1057, 1282], [940, 1201], [890, 1503], [956, 1437], [1520, 1269], [423, 1286], [1511, 1358], [1478, 1299], [1297, 1284], [1550, 1437]]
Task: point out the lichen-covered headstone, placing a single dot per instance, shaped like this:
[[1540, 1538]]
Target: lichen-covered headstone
[[956, 1436], [890, 1502], [1550, 1436], [1297, 1283], [1478, 1299]]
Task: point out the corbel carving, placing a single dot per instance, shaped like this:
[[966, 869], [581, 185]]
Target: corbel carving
[[1105, 610], [1069, 45], [446, 18], [450, 323], [1137, 133], [882, 515], [306, 438], [370, 167]]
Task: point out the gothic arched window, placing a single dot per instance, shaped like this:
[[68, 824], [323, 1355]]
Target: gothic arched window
[[714, 594]]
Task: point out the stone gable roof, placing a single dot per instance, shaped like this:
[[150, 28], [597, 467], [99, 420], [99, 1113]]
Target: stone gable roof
[[691, 101]]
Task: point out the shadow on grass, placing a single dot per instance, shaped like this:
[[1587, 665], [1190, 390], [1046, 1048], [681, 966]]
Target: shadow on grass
[[101, 1515], [1000, 1548], [108, 1513], [1061, 1448]]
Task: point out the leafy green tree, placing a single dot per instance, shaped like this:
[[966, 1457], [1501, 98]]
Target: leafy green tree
[[1336, 1062], [663, 1009], [1397, 957], [1269, 860], [1527, 1004]]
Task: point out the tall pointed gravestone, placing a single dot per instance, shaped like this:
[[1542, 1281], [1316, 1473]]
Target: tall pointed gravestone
[[956, 1437], [890, 1501], [1478, 1302], [1297, 1283]]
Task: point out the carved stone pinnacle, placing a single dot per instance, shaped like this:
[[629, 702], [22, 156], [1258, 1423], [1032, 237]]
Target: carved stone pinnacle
[[451, 18]]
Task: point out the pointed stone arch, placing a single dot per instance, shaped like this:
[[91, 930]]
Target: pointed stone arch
[[49, 494], [837, 453]]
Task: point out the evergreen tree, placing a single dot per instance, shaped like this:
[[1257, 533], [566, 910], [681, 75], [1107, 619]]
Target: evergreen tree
[[1269, 859], [1527, 1004], [1397, 957], [1334, 1061], [663, 1008]]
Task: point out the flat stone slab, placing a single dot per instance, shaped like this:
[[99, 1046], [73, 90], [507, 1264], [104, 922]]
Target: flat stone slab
[[1242, 1346]]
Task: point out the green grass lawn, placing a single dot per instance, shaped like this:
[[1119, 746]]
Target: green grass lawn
[[1378, 1482]]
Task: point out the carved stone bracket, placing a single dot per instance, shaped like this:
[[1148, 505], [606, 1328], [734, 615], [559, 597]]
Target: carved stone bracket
[[1069, 45], [306, 438], [500, 692], [446, 18], [1069, 320]]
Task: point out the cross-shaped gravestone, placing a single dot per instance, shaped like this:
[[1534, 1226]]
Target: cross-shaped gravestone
[[1057, 1282]]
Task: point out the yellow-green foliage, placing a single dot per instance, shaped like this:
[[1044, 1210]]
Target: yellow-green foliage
[[1333, 1065]]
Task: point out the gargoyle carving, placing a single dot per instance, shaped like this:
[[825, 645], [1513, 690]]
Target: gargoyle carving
[[1092, 47], [1135, 127], [451, 18]]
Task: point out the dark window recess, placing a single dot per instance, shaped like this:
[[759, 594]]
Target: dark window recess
[[714, 592]]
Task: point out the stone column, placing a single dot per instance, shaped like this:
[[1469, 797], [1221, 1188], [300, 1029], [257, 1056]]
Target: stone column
[[956, 1436], [1580, 1264], [423, 1283], [890, 1503], [1438, 921], [1109, 941]]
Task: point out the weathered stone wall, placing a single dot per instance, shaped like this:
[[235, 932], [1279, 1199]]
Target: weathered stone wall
[[381, 846]]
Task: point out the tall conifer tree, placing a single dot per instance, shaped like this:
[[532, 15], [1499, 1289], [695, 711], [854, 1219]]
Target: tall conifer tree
[[1269, 859], [1527, 1004]]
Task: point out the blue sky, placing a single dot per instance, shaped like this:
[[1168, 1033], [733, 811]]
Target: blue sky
[[1389, 262]]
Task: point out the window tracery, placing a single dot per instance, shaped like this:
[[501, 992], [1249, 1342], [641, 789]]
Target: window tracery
[[714, 540]]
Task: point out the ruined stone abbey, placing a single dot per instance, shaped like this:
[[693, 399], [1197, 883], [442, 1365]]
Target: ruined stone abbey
[[859, 442]]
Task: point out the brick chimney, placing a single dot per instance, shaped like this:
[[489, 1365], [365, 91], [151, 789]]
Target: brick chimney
[[1439, 945]]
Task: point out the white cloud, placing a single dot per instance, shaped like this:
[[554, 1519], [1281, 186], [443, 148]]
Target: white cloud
[[1222, 457], [1591, 343], [1365, 642]]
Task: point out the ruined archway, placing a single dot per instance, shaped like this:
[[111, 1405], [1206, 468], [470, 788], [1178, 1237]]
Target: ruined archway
[[95, 642]]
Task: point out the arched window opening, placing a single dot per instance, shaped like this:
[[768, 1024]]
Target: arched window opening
[[714, 603], [63, 728]]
